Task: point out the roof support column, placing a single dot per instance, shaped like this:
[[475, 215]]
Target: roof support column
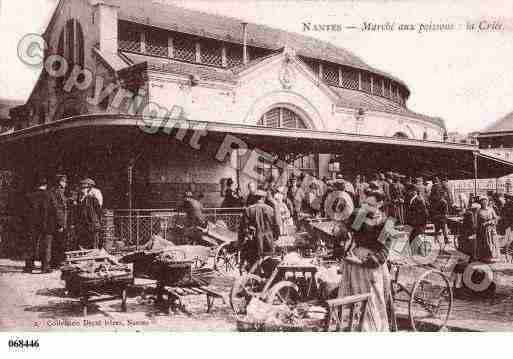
[[143, 42], [170, 48], [475, 174], [224, 59]]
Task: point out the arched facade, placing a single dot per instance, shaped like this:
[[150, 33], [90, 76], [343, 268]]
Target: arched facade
[[284, 117]]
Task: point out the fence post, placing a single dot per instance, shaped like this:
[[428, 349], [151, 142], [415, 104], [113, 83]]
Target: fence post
[[137, 223], [108, 228]]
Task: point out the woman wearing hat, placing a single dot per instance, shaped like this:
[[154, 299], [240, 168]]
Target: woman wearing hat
[[364, 268], [487, 249], [283, 215], [87, 219]]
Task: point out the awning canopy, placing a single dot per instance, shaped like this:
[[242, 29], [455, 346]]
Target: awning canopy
[[356, 152]]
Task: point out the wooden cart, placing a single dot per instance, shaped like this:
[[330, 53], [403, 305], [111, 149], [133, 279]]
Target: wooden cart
[[93, 276]]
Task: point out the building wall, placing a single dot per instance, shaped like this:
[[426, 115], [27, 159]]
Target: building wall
[[176, 168], [260, 89]]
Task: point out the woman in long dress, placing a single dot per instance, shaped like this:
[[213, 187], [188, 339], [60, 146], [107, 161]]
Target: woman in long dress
[[364, 270], [487, 249]]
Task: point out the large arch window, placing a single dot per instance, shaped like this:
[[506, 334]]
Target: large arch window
[[282, 117], [71, 47]]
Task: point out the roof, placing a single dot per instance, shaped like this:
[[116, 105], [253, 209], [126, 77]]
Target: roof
[[208, 73], [353, 99], [504, 124], [404, 155], [358, 99], [175, 18]]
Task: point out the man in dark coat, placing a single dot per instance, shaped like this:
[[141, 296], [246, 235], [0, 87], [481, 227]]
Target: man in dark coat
[[439, 210], [258, 231], [417, 214], [194, 218], [397, 198], [38, 213], [193, 210], [87, 220], [60, 221]]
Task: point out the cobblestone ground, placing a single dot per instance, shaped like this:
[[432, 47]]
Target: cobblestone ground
[[37, 302], [32, 302]]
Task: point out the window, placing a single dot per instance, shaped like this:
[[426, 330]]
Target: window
[[281, 117], [285, 118], [70, 47], [184, 48], [129, 37], [366, 82], [211, 53], [157, 43], [233, 55], [350, 78], [330, 74], [378, 86], [71, 43], [314, 65], [386, 88]]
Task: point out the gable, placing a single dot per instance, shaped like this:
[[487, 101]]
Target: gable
[[283, 80]]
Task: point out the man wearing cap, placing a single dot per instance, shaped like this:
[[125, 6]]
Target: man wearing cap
[[60, 207], [88, 222], [258, 230], [38, 212]]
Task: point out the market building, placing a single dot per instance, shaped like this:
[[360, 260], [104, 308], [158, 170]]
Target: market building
[[129, 63]]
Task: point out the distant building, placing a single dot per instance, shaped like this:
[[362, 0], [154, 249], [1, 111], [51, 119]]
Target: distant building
[[6, 123], [495, 140]]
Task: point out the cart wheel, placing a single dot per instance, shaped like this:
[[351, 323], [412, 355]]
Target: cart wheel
[[482, 284], [243, 289], [226, 261], [430, 302], [283, 292]]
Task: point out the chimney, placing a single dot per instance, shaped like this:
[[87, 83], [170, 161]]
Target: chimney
[[106, 18], [244, 43]]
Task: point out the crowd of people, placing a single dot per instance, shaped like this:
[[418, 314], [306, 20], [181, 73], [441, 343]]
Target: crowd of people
[[274, 210], [58, 221], [412, 202]]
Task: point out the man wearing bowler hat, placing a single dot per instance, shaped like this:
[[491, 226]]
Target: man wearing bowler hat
[[38, 212], [60, 220], [87, 219]]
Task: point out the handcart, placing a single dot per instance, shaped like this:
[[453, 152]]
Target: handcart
[[173, 275], [225, 245], [95, 274], [422, 293], [292, 294]]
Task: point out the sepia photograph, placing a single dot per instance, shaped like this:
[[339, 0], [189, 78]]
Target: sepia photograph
[[255, 166]]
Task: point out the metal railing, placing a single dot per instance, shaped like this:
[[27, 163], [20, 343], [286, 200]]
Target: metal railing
[[136, 227]]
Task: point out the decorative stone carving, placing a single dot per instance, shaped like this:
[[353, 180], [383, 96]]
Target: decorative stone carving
[[287, 75]]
